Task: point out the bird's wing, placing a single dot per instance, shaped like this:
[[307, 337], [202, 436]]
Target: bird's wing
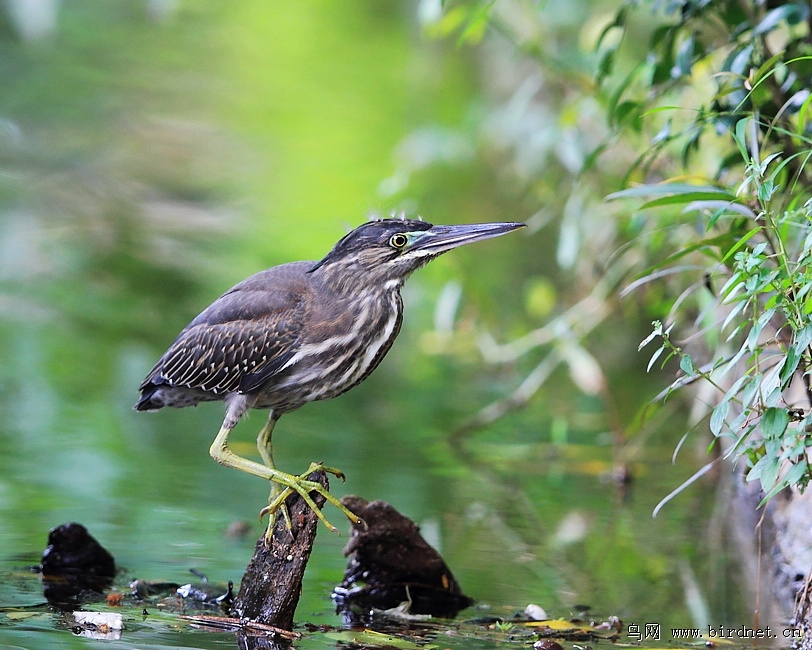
[[245, 337], [220, 358]]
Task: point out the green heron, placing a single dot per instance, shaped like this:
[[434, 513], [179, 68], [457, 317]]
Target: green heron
[[297, 333]]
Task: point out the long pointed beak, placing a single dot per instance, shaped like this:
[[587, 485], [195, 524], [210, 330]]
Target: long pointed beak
[[439, 239]]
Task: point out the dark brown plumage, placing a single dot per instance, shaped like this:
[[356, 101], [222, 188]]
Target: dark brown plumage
[[300, 332]]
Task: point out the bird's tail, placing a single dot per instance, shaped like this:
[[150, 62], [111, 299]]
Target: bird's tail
[[148, 401]]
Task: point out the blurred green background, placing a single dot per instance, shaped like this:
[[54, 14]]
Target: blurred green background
[[153, 154]]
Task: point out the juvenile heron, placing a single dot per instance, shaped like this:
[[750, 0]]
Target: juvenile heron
[[297, 333]]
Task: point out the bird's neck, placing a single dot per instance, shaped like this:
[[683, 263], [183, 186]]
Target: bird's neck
[[352, 280]]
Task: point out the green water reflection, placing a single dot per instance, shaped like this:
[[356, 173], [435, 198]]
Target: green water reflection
[[150, 161]]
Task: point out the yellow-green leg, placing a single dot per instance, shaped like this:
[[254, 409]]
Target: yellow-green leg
[[265, 448], [288, 483]]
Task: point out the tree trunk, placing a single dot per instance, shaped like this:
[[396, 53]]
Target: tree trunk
[[272, 583]]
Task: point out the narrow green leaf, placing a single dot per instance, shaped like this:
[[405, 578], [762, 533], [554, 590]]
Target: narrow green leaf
[[754, 474], [742, 241], [770, 469], [802, 121], [752, 337], [768, 160], [695, 477], [648, 339], [734, 312], [718, 417], [757, 327], [741, 137], [795, 353], [734, 279], [780, 167], [734, 333], [715, 216], [687, 197], [803, 337], [660, 268], [734, 450], [721, 206], [660, 189], [771, 388], [768, 68], [791, 365], [735, 388], [749, 394], [668, 357], [654, 358], [795, 473]]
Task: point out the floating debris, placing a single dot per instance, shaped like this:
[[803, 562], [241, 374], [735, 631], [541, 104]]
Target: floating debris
[[105, 626]]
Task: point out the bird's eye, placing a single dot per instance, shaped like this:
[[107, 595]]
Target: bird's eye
[[398, 240]]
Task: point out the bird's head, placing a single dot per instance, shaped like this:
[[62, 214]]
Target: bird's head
[[391, 249]]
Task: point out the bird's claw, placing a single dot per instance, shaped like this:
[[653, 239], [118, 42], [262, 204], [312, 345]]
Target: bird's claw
[[303, 486], [315, 467]]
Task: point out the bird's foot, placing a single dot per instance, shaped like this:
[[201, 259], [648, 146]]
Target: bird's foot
[[287, 484], [277, 494]]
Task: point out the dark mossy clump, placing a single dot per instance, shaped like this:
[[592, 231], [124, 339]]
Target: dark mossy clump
[[389, 564]]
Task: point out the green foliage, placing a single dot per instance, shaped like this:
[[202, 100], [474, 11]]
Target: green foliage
[[706, 126], [740, 71]]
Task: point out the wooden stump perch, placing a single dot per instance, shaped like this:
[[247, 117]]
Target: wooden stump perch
[[272, 582]]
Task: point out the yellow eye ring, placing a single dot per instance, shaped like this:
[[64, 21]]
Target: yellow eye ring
[[398, 240]]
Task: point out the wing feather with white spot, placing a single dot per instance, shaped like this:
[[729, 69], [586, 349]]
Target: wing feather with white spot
[[240, 341]]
